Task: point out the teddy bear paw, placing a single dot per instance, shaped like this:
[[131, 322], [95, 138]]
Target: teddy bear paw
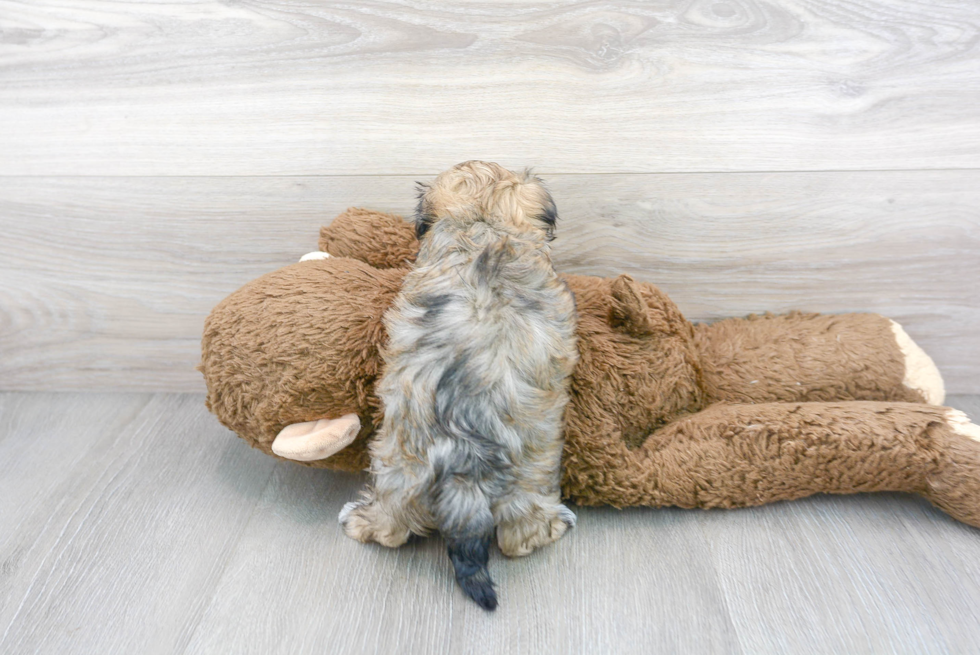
[[962, 425], [921, 373]]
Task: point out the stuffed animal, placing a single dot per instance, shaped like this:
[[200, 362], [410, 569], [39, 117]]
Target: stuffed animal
[[740, 412]]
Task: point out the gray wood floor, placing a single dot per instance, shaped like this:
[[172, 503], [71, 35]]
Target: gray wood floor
[[135, 523]]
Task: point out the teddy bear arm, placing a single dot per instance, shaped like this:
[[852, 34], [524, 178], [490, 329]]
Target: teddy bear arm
[[813, 357], [376, 238], [744, 455]]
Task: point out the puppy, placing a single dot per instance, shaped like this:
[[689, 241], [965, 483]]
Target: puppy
[[481, 347]]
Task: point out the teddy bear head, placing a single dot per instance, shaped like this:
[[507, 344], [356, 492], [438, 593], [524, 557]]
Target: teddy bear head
[[300, 343], [304, 343]]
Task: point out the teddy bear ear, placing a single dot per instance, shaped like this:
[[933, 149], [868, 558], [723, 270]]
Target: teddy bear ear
[[629, 312]]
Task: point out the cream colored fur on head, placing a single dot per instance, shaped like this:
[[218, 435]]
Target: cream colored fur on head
[[515, 202]]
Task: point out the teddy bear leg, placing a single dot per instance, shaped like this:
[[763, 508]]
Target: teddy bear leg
[[732, 455], [313, 440], [813, 357], [955, 486], [921, 374]]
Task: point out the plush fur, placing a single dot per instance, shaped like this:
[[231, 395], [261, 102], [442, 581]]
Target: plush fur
[[481, 344], [738, 413]]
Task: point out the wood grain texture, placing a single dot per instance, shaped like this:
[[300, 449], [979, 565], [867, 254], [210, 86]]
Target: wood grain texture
[[298, 88], [569, 599], [117, 514], [135, 523], [817, 575], [106, 281]]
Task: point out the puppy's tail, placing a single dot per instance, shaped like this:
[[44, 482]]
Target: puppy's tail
[[469, 556], [466, 523]]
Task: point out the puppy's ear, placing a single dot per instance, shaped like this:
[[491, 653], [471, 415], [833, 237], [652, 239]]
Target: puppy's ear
[[422, 224], [423, 219], [547, 213], [629, 312]]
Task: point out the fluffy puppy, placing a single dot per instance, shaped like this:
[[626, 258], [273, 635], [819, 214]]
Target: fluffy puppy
[[481, 347]]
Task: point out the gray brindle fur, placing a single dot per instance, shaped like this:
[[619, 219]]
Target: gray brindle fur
[[481, 347]]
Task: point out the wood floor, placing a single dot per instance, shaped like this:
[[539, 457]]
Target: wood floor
[[135, 523]]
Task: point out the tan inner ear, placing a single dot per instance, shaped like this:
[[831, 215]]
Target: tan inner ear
[[313, 440]]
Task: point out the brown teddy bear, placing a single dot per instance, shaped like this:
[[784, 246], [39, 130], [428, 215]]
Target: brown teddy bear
[[741, 412]]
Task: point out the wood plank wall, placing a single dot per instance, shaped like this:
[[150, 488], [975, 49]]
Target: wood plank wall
[[745, 156]]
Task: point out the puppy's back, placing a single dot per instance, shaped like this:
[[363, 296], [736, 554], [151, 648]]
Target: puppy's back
[[481, 344]]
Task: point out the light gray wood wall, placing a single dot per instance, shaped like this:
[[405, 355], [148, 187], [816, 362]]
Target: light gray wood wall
[[275, 87], [744, 156]]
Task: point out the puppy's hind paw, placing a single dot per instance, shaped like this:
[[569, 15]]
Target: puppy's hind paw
[[355, 524], [521, 536], [365, 522], [568, 516], [345, 512]]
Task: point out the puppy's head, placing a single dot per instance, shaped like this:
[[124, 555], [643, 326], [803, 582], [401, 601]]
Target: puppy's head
[[483, 191]]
